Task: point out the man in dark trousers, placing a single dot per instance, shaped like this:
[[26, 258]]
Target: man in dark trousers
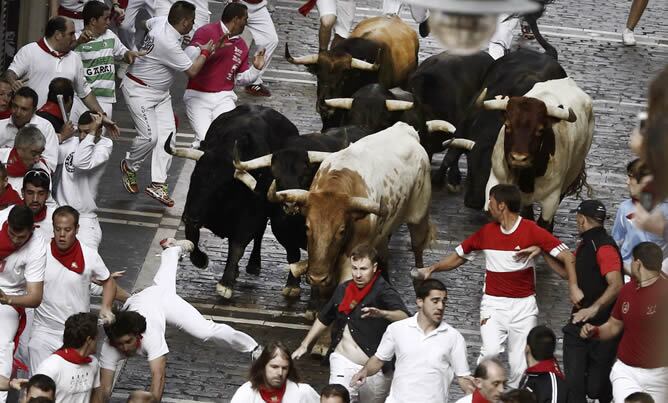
[[543, 376]]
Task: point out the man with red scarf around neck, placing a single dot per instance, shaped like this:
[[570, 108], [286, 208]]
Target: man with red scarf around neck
[[75, 360], [490, 380], [273, 378], [359, 311], [543, 376], [22, 263], [70, 265]]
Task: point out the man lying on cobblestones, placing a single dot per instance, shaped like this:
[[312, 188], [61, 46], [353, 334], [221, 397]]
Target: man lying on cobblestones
[[273, 378], [508, 309], [490, 381], [140, 326], [360, 311], [428, 352]]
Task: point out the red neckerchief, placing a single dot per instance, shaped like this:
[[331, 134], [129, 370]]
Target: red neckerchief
[[52, 108], [39, 217], [354, 295], [478, 397], [307, 7], [18, 364], [549, 365], [271, 395], [15, 167], [9, 197], [6, 114], [72, 258], [7, 247], [42, 44], [73, 356]]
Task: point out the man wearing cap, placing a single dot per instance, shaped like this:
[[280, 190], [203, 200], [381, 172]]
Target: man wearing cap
[[598, 264]]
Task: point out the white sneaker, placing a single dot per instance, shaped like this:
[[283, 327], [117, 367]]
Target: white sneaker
[[186, 245], [628, 38]]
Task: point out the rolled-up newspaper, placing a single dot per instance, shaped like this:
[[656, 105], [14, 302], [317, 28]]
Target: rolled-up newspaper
[[61, 105]]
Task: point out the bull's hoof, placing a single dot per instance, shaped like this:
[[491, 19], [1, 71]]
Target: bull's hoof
[[291, 292], [453, 188], [199, 259], [224, 292], [253, 268], [319, 350]]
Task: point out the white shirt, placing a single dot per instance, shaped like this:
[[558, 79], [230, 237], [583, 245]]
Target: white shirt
[[164, 55], [8, 133], [83, 168], [24, 265], [153, 343], [466, 399], [74, 5], [66, 292], [17, 184], [294, 393], [425, 362], [44, 228], [40, 68], [74, 382]]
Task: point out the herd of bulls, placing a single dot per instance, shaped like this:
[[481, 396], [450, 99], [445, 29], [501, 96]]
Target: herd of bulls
[[519, 119]]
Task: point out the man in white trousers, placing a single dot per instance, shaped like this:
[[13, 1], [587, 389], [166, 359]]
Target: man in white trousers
[[85, 159], [419, 14], [500, 42], [211, 91], [23, 255], [146, 91], [140, 327], [73, 9]]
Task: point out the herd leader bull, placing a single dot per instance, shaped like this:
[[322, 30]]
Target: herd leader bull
[[380, 49], [543, 144], [361, 194]]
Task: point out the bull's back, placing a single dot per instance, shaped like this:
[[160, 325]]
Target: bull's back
[[400, 47]]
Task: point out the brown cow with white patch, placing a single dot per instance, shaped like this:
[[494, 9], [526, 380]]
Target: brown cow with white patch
[[543, 144]]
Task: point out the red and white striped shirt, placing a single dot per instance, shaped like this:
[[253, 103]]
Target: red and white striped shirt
[[506, 277]]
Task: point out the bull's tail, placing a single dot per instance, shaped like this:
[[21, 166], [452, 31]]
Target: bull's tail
[[532, 20], [580, 183]]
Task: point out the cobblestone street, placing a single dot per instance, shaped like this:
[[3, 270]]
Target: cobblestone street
[[586, 33]]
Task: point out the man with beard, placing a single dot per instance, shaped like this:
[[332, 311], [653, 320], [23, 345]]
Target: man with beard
[[428, 351], [273, 379], [35, 192]]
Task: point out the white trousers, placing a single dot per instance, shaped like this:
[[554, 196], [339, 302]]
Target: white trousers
[[152, 114], [507, 320], [344, 12], [375, 389], [503, 37], [90, 232], [9, 320], [627, 379], [126, 31], [43, 342], [263, 31], [185, 317], [419, 14], [203, 108]]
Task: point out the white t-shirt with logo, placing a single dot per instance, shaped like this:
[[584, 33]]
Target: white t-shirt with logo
[[153, 343], [164, 55], [66, 292], [74, 382]]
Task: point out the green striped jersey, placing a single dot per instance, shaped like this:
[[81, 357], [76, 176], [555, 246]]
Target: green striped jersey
[[98, 56]]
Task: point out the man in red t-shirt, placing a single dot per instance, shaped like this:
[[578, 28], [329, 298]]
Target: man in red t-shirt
[[640, 310], [508, 308]]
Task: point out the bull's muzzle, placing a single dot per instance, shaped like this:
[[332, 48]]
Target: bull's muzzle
[[318, 280], [519, 160]]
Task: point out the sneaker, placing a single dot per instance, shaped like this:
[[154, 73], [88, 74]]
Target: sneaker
[[628, 38], [527, 33], [129, 178], [158, 191], [423, 28], [255, 354], [258, 90], [186, 245]]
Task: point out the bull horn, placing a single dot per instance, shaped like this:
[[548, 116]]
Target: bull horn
[[189, 153], [271, 193], [308, 59], [440, 126], [316, 157], [459, 143], [362, 65], [393, 105], [367, 205], [297, 196], [561, 113], [245, 178], [340, 103], [481, 98], [499, 104], [299, 268]]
